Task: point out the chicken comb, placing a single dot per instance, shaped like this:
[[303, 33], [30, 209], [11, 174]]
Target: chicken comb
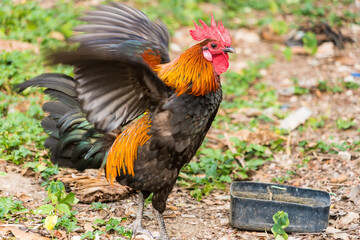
[[219, 32]]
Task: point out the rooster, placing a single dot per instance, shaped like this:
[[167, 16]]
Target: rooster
[[129, 109]]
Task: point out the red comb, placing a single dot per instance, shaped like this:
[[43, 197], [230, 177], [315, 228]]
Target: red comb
[[219, 32]]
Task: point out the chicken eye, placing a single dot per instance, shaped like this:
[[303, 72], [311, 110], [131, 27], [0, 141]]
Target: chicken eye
[[213, 45]]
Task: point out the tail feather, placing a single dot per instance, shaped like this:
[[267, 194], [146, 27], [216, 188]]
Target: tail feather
[[69, 119], [50, 127], [79, 150], [73, 141], [55, 81], [56, 109], [51, 141], [65, 99]]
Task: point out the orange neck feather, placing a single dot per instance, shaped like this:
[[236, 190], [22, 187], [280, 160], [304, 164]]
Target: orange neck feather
[[123, 152], [190, 73]]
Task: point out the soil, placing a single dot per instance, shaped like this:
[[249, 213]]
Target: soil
[[189, 219]]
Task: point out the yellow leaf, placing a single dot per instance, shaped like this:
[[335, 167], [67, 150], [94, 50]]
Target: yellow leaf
[[50, 222]]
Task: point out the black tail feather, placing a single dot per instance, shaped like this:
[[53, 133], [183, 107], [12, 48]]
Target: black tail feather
[[55, 81], [73, 141]]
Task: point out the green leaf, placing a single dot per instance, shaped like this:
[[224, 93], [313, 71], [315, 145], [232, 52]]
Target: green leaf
[[98, 205], [41, 167], [211, 172], [53, 198], [63, 208], [70, 199], [88, 235], [45, 209], [196, 193], [279, 237], [254, 163], [281, 222], [258, 148], [207, 189], [3, 173], [99, 221], [111, 224], [277, 229], [281, 219], [310, 43]]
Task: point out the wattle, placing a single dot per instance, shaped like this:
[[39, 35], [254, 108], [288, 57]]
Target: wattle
[[220, 63]]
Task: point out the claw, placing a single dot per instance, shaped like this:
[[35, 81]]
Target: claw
[[142, 231], [139, 230]]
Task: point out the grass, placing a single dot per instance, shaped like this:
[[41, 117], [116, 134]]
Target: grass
[[22, 137]]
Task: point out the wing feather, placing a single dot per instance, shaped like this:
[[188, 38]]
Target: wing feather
[[115, 82]]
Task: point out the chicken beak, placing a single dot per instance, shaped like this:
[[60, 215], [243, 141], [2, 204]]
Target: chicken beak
[[229, 50]]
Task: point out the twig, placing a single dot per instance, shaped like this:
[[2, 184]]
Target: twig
[[288, 141], [228, 143]]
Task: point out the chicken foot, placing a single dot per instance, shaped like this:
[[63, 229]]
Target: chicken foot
[[163, 232], [136, 226]]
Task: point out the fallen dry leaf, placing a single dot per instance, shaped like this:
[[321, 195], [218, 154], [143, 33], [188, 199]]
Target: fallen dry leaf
[[345, 60], [263, 136], [91, 189], [268, 34], [339, 179], [19, 234], [12, 45], [57, 35], [355, 194], [300, 50], [24, 197], [349, 218], [332, 230], [60, 234]]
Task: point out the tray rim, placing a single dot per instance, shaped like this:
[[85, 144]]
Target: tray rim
[[325, 194]]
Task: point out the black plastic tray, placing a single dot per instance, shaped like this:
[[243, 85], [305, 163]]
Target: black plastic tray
[[252, 206]]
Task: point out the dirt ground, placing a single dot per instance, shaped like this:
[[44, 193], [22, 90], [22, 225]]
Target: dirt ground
[[187, 218]]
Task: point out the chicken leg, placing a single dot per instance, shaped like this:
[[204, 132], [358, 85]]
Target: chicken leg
[[163, 232], [137, 224]]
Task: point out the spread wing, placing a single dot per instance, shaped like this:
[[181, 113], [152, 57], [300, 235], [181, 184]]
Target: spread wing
[[115, 81]]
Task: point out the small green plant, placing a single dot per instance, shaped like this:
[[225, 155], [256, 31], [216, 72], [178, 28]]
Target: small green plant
[[216, 168], [8, 207], [68, 221], [92, 235], [310, 43], [98, 206], [343, 124], [46, 169], [111, 225], [288, 176], [60, 206], [300, 90], [351, 85], [316, 122], [324, 86], [281, 221], [149, 199], [287, 54], [279, 27]]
